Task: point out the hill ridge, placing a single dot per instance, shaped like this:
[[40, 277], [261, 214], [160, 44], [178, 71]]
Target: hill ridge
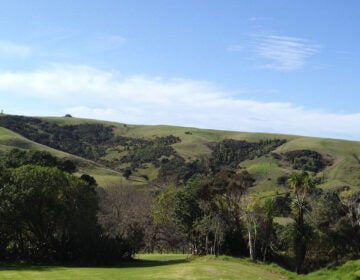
[[113, 144]]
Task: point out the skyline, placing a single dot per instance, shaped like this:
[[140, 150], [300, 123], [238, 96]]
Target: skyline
[[266, 66]]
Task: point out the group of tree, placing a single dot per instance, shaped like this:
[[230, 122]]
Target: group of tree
[[219, 214], [49, 215]]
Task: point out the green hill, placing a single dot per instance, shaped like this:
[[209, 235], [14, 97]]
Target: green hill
[[10, 140], [109, 150]]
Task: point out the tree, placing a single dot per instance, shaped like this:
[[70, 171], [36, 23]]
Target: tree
[[125, 213], [302, 186], [127, 173], [268, 212], [211, 228], [207, 210], [186, 212], [249, 215], [231, 187], [350, 199], [336, 238], [49, 214], [198, 215], [16, 158], [167, 236]]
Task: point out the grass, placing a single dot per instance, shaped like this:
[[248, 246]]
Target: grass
[[178, 266], [149, 267], [348, 271]]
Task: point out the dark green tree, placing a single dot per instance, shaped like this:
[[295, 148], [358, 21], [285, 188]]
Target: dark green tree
[[186, 212], [167, 236], [49, 215]]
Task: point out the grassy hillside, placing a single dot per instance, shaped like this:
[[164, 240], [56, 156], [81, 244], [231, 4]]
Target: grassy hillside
[[194, 144], [344, 171], [10, 140]]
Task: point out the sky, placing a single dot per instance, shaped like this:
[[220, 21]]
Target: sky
[[280, 66]]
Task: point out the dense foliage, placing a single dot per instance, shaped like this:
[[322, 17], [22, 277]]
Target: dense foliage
[[230, 152], [86, 140], [17, 158], [218, 215], [306, 160], [140, 151], [48, 215]]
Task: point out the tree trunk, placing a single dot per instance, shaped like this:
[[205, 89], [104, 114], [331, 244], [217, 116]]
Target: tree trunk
[[251, 246]]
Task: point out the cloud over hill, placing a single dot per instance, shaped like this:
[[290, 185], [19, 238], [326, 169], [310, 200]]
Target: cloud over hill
[[93, 93]]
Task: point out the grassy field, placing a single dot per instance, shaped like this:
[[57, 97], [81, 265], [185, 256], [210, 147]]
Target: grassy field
[[149, 267], [170, 266]]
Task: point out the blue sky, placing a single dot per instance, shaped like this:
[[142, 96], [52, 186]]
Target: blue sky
[[284, 66]]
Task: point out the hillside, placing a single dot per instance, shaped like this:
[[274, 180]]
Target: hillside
[[112, 151], [10, 140]]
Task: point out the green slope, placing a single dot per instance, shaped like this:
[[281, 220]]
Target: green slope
[[194, 145], [10, 140]]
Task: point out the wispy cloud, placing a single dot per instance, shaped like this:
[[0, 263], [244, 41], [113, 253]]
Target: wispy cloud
[[88, 92], [284, 53], [12, 49]]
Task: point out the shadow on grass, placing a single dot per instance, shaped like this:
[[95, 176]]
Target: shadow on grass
[[151, 263], [27, 268], [126, 264]]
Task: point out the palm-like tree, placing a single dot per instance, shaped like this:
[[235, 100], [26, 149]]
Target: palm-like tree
[[302, 186], [269, 211]]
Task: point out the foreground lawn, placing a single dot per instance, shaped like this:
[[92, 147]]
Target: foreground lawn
[[149, 267], [171, 266]]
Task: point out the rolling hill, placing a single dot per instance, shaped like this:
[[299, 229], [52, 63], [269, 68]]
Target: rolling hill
[[139, 154]]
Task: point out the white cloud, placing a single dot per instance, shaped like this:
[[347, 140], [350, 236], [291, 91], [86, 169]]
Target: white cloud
[[8, 48], [87, 92], [285, 53]]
